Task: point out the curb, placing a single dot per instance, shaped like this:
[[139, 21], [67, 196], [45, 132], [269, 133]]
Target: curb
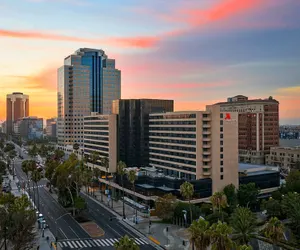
[[125, 223]]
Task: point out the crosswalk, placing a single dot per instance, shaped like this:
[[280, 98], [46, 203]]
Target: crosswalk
[[76, 244]]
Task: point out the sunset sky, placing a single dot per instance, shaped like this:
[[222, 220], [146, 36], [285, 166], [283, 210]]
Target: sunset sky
[[196, 52]]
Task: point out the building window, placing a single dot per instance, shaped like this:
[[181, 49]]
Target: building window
[[221, 136], [221, 115], [221, 156], [222, 177], [221, 129], [221, 122], [221, 169], [221, 149], [221, 163]]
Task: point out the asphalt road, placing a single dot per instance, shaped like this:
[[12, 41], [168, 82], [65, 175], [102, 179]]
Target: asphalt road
[[70, 234], [53, 212]]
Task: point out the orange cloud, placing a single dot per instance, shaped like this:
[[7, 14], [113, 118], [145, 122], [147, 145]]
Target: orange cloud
[[138, 42]]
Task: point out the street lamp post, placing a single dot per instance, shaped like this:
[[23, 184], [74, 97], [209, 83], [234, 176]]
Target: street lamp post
[[56, 234]]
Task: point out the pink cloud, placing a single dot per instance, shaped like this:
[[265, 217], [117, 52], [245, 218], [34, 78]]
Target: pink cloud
[[138, 42]]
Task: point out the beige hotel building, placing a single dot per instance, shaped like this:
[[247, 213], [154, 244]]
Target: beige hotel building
[[196, 145], [100, 135]]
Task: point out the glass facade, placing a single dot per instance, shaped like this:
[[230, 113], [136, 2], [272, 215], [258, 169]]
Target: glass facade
[[31, 128], [133, 120], [82, 89]]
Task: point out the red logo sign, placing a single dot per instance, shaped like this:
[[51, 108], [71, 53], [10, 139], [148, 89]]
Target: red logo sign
[[227, 116]]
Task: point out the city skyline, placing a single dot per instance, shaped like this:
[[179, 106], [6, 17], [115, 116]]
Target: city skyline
[[196, 53]]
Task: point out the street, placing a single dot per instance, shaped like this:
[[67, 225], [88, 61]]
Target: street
[[69, 232]]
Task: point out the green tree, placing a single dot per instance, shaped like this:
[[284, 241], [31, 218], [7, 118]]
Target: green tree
[[187, 191], [94, 158], [121, 172], [8, 147], [248, 195], [132, 179], [291, 207], [231, 195], [274, 230], [165, 206], [17, 222], [293, 181], [58, 155], [200, 234], [2, 167], [244, 247], [51, 166], [126, 243], [219, 202], [220, 236], [243, 222], [33, 151], [36, 176], [273, 207], [105, 163]]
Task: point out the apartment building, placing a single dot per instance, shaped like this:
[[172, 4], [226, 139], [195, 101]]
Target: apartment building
[[17, 106], [195, 145], [100, 135], [284, 157], [258, 126]]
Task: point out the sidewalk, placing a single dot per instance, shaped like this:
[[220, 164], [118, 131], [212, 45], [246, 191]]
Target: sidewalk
[[171, 238], [44, 243]]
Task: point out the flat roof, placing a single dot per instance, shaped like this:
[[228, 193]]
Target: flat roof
[[246, 166], [147, 186], [165, 188], [261, 172]]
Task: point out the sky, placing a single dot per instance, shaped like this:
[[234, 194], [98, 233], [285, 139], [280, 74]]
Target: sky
[[196, 52]]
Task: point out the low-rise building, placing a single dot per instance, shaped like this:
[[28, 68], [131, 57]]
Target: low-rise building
[[266, 178], [51, 127], [284, 157], [100, 135], [31, 128]]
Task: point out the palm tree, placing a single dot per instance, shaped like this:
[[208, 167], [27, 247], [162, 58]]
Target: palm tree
[[274, 230], [187, 191], [121, 172], [220, 236], [219, 201], [97, 174], [94, 157], [199, 234], [36, 177], [105, 163], [243, 222], [126, 243], [25, 169], [132, 178]]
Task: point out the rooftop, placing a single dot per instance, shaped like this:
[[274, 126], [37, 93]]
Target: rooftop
[[249, 101], [254, 169]]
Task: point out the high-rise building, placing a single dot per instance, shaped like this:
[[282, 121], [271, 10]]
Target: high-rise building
[[88, 82], [100, 135], [51, 127], [133, 127], [17, 106], [31, 128], [258, 126], [194, 145]]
